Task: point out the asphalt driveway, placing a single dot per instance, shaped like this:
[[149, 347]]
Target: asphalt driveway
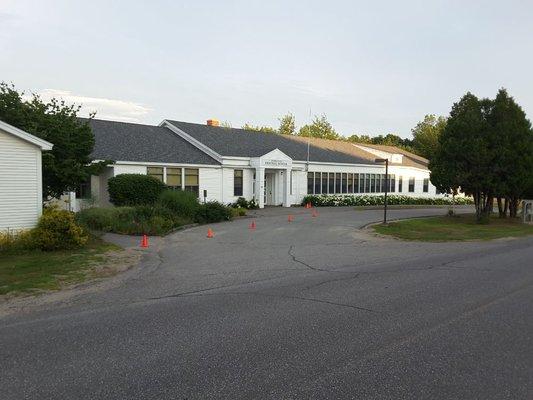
[[314, 308]]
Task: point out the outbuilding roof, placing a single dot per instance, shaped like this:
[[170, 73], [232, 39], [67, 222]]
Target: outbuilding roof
[[232, 142], [122, 141], [41, 143]]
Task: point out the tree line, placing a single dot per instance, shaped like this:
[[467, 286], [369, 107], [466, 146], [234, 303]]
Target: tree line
[[425, 133]]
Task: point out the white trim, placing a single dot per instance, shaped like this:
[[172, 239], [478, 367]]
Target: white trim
[[196, 143], [163, 164], [43, 144]]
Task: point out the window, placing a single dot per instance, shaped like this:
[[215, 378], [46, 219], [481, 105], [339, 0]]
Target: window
[[350, 183], [411, 185], [372, 183], [191, 180], [310, 182], [174, 178], [156, 172], [331, 183], [367, 183], [337, 182], [237, 182], [318, 183], [84, 190], [400, 184], [253, 186], [392, 181], [426, 185], [344, 183], [324, 182], [356, 183]]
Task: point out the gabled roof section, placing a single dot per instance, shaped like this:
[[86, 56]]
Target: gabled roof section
[[41, 143], [231, 142], [414, 159], [121, 141]]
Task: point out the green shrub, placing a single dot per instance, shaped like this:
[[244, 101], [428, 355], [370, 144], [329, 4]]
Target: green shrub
[[183, 203], [150, 220], [57, 230], [212, 211], [324, 200], [134, 189], [14, 241], [238, 211]]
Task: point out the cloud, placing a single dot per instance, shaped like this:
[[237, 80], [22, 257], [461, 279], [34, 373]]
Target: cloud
[[118, 110]]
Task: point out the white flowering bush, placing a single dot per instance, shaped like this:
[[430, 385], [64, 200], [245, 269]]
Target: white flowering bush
[[326, 200]]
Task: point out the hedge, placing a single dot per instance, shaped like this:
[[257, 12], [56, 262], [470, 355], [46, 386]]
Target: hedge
[[377, 200], [134, 189]]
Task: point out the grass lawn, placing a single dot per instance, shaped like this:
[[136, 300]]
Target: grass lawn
[[36, 270], [462, 227]]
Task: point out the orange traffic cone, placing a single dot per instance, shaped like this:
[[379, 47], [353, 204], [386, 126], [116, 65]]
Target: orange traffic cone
[[144, 241], [289, 218], [210, 233], [308, 205], [252, 225]]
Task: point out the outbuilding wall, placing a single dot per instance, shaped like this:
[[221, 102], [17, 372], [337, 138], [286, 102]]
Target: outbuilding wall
[[20, 183]]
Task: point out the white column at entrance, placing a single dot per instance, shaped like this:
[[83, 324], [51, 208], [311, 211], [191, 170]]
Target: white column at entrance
[[260, 187], [287, 188]]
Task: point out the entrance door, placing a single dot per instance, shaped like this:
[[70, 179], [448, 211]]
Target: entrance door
[[269, 189]]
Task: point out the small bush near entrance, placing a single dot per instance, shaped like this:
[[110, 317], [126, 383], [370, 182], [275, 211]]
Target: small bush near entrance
[[365, 200], [247, 204], [134, 189], [213, 211], [183, 203]]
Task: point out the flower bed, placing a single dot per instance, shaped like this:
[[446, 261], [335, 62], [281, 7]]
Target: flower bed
[[322, 200]]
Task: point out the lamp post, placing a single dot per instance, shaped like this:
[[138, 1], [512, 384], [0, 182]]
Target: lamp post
[[386, 161]]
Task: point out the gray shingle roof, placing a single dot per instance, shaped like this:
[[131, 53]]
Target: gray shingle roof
[[121, 141], [243, 143]]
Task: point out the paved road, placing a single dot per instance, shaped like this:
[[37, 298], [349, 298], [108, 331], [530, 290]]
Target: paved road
[[314, 309]]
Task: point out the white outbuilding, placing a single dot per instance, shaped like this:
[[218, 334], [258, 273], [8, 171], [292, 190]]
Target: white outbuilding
[[20, 178]]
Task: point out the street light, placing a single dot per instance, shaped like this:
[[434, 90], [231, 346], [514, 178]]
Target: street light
[[386, 161]]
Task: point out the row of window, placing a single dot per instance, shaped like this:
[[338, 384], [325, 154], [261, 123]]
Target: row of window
[[317, 182], [341, 182], [177, 178]]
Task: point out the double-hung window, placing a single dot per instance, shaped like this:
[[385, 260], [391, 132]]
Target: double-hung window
[[310, 182], [192, 180], [156, 172], [426, 185], [237, 182], [174, 178], [411, 185]]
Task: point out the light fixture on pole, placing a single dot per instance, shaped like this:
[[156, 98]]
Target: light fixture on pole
[[386, 161]]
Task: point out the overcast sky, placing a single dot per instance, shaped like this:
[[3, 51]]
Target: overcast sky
[[372, 67]]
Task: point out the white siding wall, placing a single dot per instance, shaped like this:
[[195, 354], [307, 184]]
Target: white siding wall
[[20, 183], [129, 169], [210, 180]]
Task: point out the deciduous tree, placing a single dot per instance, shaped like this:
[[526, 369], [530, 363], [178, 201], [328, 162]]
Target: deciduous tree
[[426, 135], [319, 128], [68, 164]]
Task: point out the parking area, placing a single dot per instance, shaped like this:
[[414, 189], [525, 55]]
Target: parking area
[[313, 308]]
